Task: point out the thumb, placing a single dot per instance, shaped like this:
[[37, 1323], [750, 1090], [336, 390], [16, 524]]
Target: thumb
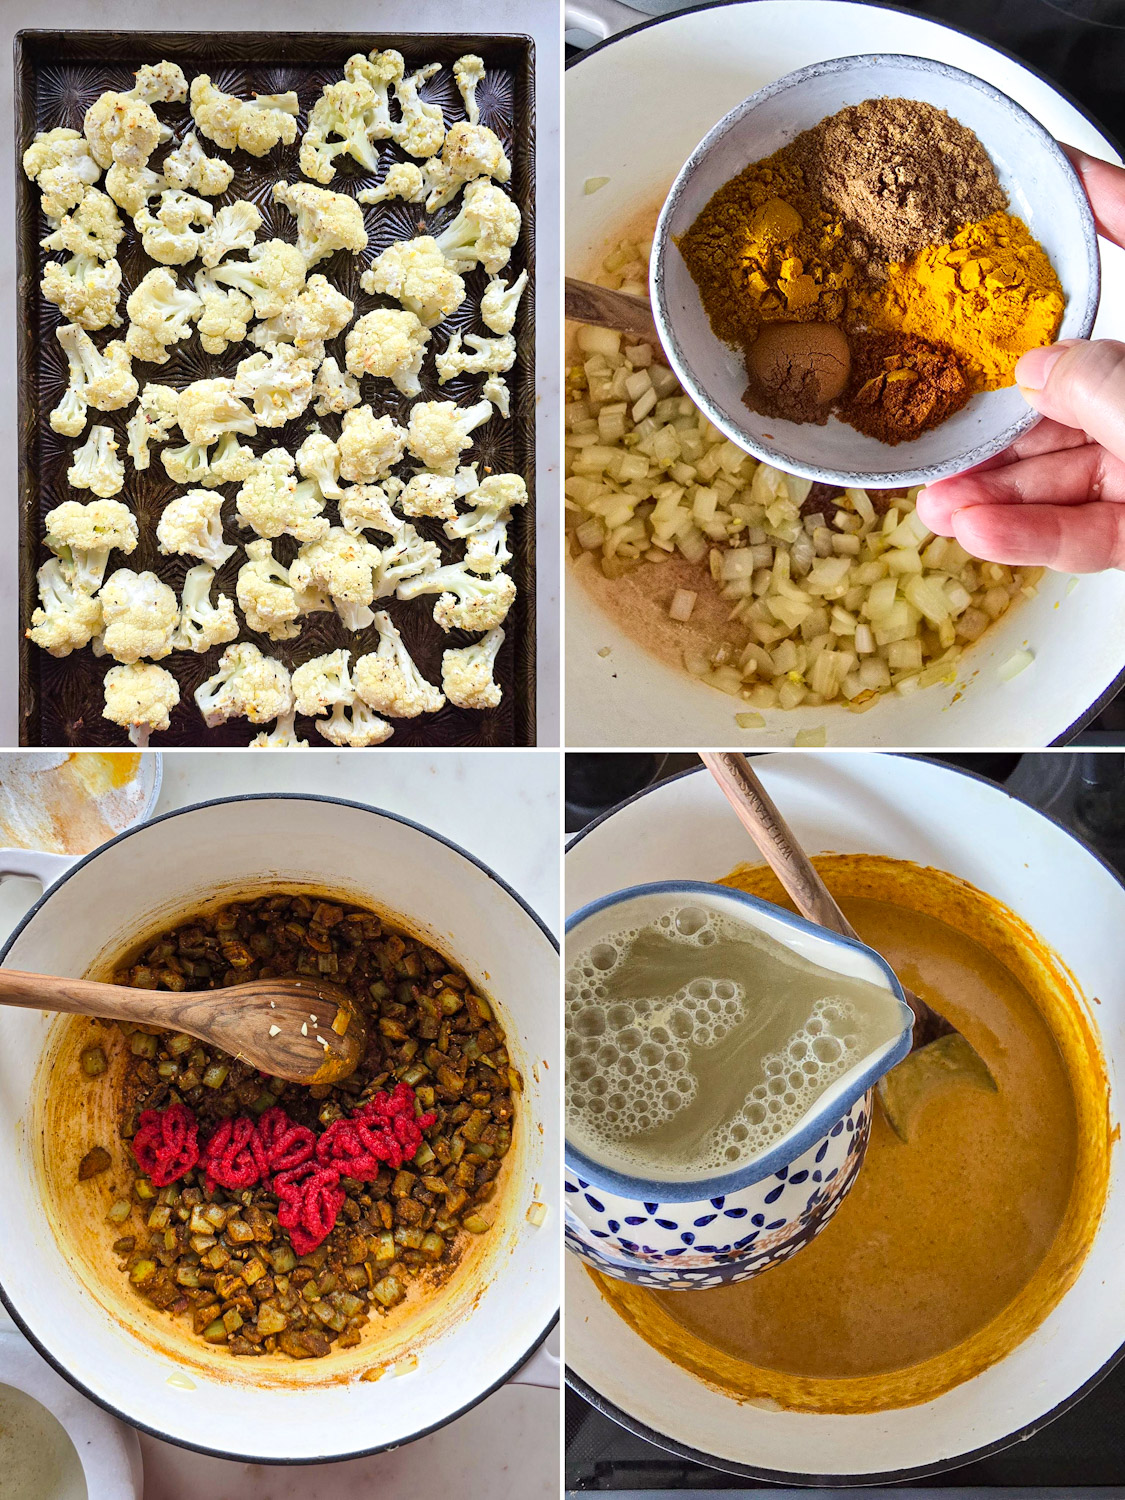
[[1080, 384]]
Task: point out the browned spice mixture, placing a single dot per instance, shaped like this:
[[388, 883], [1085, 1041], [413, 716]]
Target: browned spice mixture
[[901, 173], [220, 1257], [901, 386]]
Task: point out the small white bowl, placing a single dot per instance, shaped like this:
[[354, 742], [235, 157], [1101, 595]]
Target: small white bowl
[[1043, 189]]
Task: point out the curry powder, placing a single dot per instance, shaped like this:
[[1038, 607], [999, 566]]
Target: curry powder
[[765, 250], [990, 295]]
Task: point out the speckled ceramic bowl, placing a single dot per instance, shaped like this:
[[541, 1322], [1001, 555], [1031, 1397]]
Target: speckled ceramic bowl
[[736, 1224], [1043, 190]]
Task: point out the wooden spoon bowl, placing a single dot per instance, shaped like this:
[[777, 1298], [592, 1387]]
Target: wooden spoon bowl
[[304, 1030]]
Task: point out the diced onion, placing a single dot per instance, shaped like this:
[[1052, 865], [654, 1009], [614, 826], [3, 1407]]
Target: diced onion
[[683, 602], [592, 184], [750, 721], [811, 739], [1014, 665]]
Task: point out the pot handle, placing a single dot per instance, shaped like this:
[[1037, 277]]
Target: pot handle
[[541, 1369], [600, 18], [38, 863]]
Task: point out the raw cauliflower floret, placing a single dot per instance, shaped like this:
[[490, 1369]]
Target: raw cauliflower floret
[[354, 726], [334, 390], [169, 235], [123, 128], [139, 615], [467, 602], [500, 303], [350, 115], [60, 165], [152, 421], [321, 682], [85, 290], [279, 384], [140, 697], [318, 459], [96, 466], [388, 679], [203, 624], [186, 465], [271, 278], [160, 314], [468, 74], [341, 565], [485, 527], [436, 495], [224, 314], [439, 432], [83, 535], [68, 617], [470, 151], [231, 463], [403, 180], [318, 313], [411, 556], [421, 129], [132, 187], [102, 379], [326, 221], [416, 274], [208, 408], [367, 507], [466, 673], [189, 166], [389, 343], [369, 446], [256, 125], [484, 231], [266, 597], [271, 503], [283, 736], [192, 523], [93, 228], [160, 83], [247, 685], [495, 391], [233, 228], [488, 356]]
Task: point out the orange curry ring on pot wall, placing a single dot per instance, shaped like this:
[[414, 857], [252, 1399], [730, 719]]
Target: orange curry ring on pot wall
[[951, 1250]]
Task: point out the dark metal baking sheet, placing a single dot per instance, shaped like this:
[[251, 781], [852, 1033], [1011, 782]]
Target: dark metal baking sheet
[[58, 75]]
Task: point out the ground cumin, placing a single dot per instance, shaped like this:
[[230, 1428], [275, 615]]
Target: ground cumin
[[990, 295], [901, 386], [764, 249], [901, 173]]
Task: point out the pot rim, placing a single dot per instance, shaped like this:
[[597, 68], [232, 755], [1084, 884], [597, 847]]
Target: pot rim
[[879, 1476], [1114, 687], [29, 1333], [809, 1130]]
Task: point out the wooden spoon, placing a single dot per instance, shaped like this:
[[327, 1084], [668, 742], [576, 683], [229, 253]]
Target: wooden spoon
[[939, 1053], [305, 1030], [586, 303]]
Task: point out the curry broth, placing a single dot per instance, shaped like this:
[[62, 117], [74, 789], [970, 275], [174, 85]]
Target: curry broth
[[950, 1249]]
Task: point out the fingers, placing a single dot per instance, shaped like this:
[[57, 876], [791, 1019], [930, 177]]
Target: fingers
[[1044, 437], [1081, 385], [1076, 539], [1069, 477], [1105, 187]]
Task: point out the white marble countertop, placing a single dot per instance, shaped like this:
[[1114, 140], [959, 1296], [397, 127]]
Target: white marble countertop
[[539, 19], [502, 806]]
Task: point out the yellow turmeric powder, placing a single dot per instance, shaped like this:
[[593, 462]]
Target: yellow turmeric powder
[[765, 250], [990, 294]]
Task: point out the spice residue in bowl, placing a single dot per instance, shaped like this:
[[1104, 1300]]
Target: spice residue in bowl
[[886, 217], [69, 804]]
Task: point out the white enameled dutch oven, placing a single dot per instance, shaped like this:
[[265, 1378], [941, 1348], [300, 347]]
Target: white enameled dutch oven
[[912, 810], [637, 106], [482, 1326]]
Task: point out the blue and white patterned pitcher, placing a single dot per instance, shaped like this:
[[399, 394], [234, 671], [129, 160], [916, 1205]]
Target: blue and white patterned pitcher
[[731, 1226]]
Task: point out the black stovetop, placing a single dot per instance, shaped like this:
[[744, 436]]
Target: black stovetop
[[1085, 1447]]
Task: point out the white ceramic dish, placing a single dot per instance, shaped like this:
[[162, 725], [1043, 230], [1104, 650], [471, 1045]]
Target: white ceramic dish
[[497, 1316], [684, 73], [1043, 189], [908, 809]]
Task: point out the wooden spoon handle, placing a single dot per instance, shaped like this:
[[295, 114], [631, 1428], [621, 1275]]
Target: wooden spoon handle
[[586, 303], [86, 997], [774, 838]]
